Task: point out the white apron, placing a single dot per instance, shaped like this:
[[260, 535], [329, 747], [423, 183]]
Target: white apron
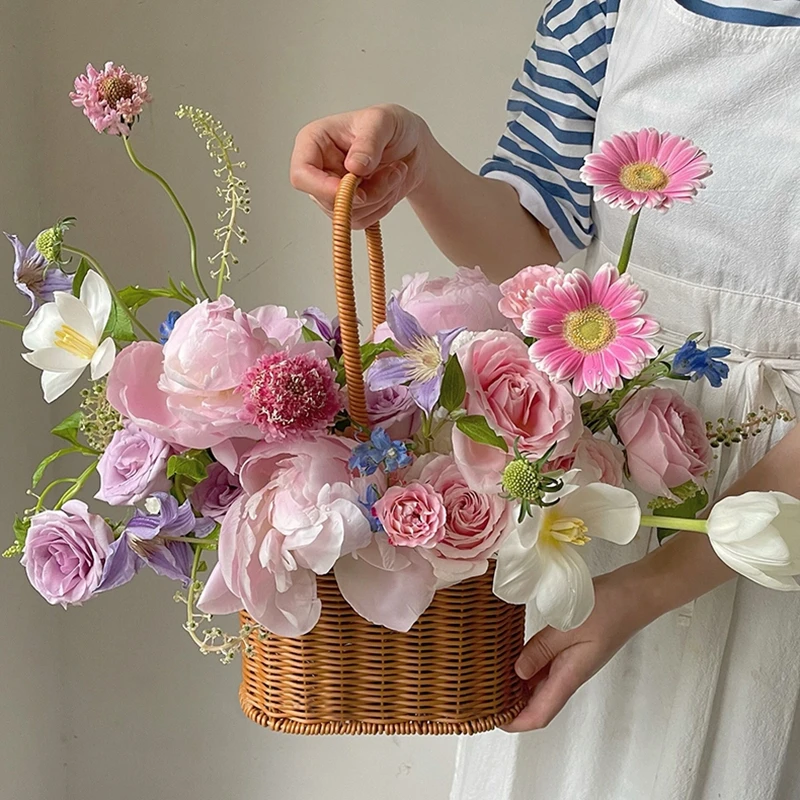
[[703, 704]]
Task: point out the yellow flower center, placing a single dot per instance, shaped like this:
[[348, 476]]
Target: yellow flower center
[[589, 330], [425, 358], [114, 89], [640, 177], [74, 343], [570, 530]]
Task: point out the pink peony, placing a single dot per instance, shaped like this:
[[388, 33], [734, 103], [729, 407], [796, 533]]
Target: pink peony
[[476, 523], [213, 496], [599, 460], [65, 553], [645, 168], [112, 99], [665, 440], [518, 291], [466, 300], [133, 467], [297, 516], [412, 515], [520, 403]]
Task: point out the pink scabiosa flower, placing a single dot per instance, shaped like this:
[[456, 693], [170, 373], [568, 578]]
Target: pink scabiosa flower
[[290, 395], [646, 169], [589, 330], [111, 99]]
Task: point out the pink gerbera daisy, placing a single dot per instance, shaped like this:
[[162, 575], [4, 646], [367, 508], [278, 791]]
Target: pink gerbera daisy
[[633, 170], [590, 330], [111, 99]]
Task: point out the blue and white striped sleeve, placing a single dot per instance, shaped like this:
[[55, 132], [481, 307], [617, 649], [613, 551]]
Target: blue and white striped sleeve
[[551, 114]]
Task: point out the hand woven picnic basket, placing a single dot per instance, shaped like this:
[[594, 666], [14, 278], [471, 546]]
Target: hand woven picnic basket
[[452, 673]]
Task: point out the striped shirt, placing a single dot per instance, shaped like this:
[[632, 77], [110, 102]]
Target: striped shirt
[[554, 101]]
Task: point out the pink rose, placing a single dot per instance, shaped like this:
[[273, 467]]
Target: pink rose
[[412, 515], [520, 403], [598, 459], [518, 291], [133, 467], [466, 300], [65, 553], [298, 515], [394, 410], [476, 523], [213, 496], [665, 440]]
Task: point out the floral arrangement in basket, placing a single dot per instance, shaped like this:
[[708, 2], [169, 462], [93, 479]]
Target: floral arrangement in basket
[[503, 423]]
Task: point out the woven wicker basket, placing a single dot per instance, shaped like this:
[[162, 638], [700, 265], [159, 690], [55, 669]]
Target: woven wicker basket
[[452, 673]]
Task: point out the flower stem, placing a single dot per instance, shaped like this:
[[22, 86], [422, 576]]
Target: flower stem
[[627, 246], [177, 203], [10, 324], [46, 491], [676, 524], [77, 485], [201, 543], [93, 263]]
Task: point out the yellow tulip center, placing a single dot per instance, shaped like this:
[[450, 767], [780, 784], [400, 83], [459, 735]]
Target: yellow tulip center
[[641, 177], [570, 530], [589, 330], [425, 358], [74, 343]]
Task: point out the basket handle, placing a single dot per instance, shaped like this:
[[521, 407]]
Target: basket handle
[[345, 292]]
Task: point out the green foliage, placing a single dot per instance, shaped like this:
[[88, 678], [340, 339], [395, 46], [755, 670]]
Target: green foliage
[[371, 350], [68, 429], [119, 326], [454, 385], [310, 336], [688, 509], [193, 464], [21, 527], [80, 275], [477, 428], [48, 460]]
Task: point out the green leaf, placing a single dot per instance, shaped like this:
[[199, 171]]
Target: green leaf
[[135, 296], [192, 464], [21, 528], [119, 326], [454, 385], [688, 509], [48, 460], [68, 429], [310, 336], [371, 350], [80, 274], [477, 428]]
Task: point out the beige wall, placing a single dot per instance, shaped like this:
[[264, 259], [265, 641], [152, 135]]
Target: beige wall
[[138, 699]]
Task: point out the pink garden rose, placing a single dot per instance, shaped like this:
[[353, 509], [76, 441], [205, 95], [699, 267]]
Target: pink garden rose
[[65, 553], [665, 439], [297, 516], [599, 460], [476, 523], [412, 515], [518, 291], [213, 496], [133, 467], [521, 404], [465, 300]]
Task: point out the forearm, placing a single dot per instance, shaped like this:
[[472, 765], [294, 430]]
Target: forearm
[[686, 567], [477, 221]]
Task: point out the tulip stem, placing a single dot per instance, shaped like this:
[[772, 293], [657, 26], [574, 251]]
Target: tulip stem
[[676, 524], [93, 263], [627, 245], [177, 203], [10, 324]]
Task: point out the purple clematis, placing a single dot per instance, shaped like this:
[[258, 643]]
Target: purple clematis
[[149, 539], [32, 275], [421, 366], [326, 328]]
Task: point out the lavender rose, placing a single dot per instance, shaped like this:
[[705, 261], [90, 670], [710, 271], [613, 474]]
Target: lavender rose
[[133, 467], [217, 493], [65, 553]]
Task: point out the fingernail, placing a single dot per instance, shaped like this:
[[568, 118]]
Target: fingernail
[[360, 158], [522, 670]]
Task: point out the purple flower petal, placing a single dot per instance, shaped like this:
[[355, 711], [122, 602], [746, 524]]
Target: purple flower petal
[[173, 561], [321, 321], [446, 339], [121, 565], [181, 520], [426, 394], [404, 326], [387, 372], [144, 526], [203, 526]]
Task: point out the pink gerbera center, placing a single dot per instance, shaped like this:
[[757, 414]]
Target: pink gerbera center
[[589, 329], [640, 177], [290, 396]]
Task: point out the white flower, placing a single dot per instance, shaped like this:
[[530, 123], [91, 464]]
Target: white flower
[[64, 337], [540, 561], [757, 534]]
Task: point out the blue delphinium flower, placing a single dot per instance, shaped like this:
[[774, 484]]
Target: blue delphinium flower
[[694, 363], [381, 449], [165, 328], [368, 504]]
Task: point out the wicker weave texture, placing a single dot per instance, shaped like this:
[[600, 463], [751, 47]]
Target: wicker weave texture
[[453, 673]]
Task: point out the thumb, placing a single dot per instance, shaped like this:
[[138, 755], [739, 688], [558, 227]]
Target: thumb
[[538, 653], [374, 131]]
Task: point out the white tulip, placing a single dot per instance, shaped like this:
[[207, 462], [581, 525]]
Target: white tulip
[[540, 562], [65, 337], [758, 535]]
